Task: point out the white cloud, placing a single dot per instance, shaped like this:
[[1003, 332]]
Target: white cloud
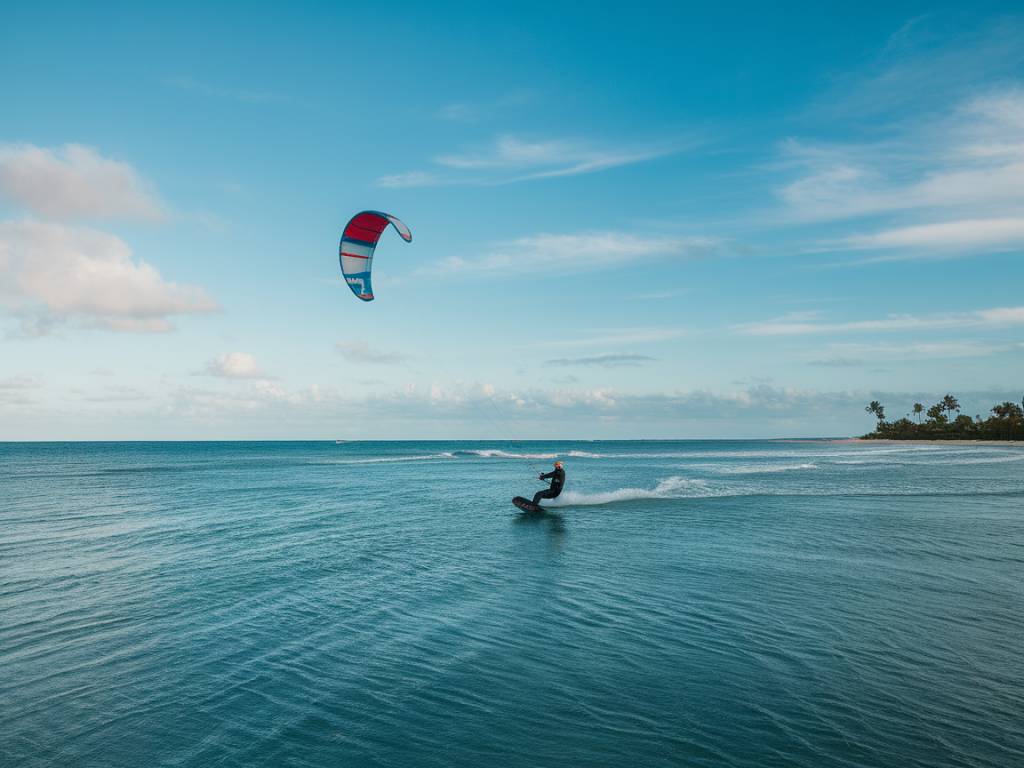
[[235, 365], [510, 159], [360, 352], [657, 295], [856, 355], [989, 234], [410, 180], [74, 181], [51, 273], [450, 405], [922, 64], [119, 394], [553, 157], [582, 251], [463, 112], [949, 186], [610, 337], [19, 390], [802, 325]]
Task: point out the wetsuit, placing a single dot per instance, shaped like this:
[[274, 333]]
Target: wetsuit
[[557, 479]]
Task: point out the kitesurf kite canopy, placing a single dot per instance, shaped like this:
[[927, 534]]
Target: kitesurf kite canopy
[[358, 241]]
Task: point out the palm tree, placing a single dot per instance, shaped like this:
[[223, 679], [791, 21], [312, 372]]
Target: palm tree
[[876, 408], [917, 409], [950, 403], [1008, 411]]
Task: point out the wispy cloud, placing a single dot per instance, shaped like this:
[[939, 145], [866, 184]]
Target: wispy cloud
[[19, 390], [858, 355], [923, 63], [657, 295], [51, 273], [946, 237], [117, 395], [74, 181], [602, 361], [581, 251], [235, 365], [361, 352], [475, 111], [802, 325], [413, 179], [244, 95], [610, 337], [510, 159], [952, 186]]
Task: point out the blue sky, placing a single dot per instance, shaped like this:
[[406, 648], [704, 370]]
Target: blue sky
[[642, 220]]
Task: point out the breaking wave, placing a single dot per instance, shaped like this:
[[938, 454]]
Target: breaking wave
[[391, 459], [757, 469], [494, 453], [669, 488]]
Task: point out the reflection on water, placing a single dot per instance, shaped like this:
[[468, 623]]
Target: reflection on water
[[552, 522]]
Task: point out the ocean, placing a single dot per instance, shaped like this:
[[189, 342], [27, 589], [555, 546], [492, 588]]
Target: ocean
[[697, 603]]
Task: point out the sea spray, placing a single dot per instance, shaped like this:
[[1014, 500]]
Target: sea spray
[[669, 488]]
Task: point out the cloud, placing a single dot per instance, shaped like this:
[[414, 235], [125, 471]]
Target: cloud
[[511, 159], [602, 361], [235, 365], [448, 406], [411, 179], [74, 181], [925, 60], [802, 324], [618, 336], [360, 352], [657, 295], [581, 251], [18, 390], [856, 355], [463, 112], [119, 394], [258, 397], [949, 186], [51, 273], [956, 236]]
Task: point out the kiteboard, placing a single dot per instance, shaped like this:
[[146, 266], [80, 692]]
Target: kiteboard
[[526, 505]]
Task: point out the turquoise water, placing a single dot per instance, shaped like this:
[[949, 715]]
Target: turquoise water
[[382, 604]]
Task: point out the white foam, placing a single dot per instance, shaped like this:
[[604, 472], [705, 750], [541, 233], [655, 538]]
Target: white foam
[[391, 459], [669, 488], [494, 453], [757, 469], [974, 460]]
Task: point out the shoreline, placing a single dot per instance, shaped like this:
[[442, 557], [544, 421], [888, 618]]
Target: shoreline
[[890, 441]]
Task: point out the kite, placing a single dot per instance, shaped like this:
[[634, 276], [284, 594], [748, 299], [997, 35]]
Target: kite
[[358, 242]]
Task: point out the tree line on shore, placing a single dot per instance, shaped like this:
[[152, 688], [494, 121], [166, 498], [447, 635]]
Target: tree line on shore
[[1005, 423]]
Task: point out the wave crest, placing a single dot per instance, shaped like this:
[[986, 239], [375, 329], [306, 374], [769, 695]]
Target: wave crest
[[495, 453], [669, 488]]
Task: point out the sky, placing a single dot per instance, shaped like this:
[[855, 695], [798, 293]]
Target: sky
[[637, 220]]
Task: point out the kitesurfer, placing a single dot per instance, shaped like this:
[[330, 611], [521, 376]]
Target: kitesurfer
[[557, 478]]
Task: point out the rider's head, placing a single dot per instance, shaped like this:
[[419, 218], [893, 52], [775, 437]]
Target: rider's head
[[558, 464]]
